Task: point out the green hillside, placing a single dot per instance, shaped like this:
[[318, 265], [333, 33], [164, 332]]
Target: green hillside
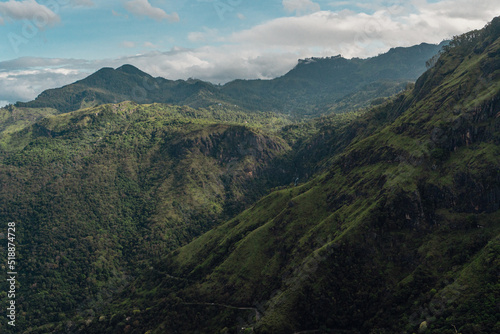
[[214, 217], [399, 234], [99, 193]]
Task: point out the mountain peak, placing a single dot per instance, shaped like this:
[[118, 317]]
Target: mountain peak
[[130, 69], [316, 59], [325, 80]]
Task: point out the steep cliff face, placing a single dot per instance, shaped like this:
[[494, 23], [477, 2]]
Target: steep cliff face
[[399, 234], [226, 143]]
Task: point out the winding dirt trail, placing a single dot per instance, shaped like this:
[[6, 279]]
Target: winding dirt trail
[[257, 313]]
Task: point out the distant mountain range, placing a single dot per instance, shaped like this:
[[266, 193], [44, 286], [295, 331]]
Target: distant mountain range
[[313, 87]]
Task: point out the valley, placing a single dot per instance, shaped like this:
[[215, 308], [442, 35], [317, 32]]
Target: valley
[[280, 206]]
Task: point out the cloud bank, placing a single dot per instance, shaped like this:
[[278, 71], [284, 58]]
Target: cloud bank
[[144, 8], [27, 10]]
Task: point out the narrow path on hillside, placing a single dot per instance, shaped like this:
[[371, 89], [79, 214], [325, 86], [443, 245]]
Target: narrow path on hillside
[[257, 313]]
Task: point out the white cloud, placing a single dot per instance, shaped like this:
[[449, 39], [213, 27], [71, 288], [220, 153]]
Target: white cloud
[[363, 35], [150, 45], [241, 16], [203, 36], [144, 8], [115, 13], [215, 64], [473, 11], [300, 6], [28, 10], [32, 62], [128, 44], [20, 82]]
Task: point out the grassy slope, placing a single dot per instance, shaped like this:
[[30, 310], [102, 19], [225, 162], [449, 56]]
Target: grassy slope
[[13, 119], [400, 235]]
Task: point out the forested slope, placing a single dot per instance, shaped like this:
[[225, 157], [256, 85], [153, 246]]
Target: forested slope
[[155, 218], [399, 234]]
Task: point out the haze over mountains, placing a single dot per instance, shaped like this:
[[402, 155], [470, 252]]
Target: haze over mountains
[[314, 86], [207, 209]]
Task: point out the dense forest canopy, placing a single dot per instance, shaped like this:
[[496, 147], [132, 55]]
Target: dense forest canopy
[[199, 212]]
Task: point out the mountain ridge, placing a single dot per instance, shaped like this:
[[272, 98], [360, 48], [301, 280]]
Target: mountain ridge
[[324, 81]]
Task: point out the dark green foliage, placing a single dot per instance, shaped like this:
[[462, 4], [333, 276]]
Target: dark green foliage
[[99, 193], [161, 219], [397, 232]]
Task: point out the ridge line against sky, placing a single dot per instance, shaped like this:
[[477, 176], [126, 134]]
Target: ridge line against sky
[[50, 43]]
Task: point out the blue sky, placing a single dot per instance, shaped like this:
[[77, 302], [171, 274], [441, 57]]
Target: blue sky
[[103, 29], [49, 43]]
